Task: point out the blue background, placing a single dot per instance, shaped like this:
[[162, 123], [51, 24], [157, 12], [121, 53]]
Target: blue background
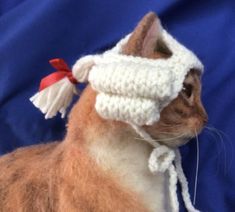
[[32, 32]]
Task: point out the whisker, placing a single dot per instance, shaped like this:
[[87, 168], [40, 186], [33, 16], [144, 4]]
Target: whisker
[[164, 139], [168, 133], [230, 144], [171, 125], [218, 149], [223, 146], [228, 139], [197, 169], [220, 133], [214, 134]]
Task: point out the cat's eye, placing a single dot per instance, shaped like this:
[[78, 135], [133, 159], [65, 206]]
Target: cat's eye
[[187, 90]]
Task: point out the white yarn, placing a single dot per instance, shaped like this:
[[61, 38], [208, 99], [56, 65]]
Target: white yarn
[[143, 134], [117, 107], [55, 98], [82, 67], [161, 160], [184, 183], [173, 188], [157, 163]]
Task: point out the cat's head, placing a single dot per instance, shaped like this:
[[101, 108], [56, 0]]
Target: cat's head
[[180, 120], [185, 116]]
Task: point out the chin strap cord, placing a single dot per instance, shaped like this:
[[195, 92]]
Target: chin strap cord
[[183, 182], [164, 159]]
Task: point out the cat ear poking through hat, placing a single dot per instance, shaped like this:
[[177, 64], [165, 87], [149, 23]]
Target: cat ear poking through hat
[[146, 40]]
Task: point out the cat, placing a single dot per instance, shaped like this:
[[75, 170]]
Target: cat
[[100, 165]]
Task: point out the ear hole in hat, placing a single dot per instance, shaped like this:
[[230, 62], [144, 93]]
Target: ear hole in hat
[[146, 41]]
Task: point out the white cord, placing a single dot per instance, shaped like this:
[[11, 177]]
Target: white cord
[[161, 160], [183, 182]]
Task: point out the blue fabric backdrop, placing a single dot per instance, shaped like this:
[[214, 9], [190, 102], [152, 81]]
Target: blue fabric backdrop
[[32, 32]]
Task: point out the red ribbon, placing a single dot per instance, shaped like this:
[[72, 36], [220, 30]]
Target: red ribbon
[[62, 71]]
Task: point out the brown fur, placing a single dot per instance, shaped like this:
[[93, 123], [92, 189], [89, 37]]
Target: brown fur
[[63, 176], [59, 177]]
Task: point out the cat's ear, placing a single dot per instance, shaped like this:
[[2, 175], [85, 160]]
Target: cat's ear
[[145, 40]]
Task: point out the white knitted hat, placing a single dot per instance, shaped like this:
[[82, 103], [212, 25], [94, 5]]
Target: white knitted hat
[[136, 89], [130, 89]]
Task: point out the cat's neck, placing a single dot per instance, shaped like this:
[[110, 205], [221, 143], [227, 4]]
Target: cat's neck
[[116, 150], [127, 159]]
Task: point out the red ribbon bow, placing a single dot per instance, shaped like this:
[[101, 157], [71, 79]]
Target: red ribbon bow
[[63, 71]]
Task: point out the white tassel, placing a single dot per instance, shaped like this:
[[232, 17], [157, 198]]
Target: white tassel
[[55, 98]]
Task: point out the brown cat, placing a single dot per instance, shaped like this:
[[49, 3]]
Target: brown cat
[[100, 166]]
